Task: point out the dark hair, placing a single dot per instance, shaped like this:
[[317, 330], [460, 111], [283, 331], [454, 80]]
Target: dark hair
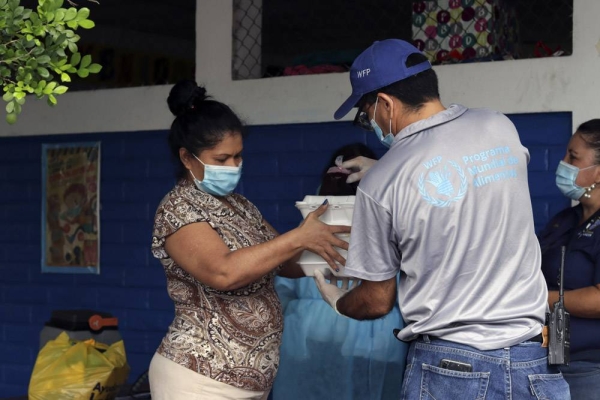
[[414, 91], [590, 132], [334, 184], [200, 122]]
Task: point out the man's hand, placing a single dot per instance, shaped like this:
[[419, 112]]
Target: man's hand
[[359, 164], [330, 291]]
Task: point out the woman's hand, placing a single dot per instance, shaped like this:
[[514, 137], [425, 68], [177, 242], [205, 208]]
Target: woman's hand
[[320, 238]]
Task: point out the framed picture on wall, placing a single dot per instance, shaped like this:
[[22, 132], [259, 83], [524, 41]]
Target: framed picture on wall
[[70, 208]]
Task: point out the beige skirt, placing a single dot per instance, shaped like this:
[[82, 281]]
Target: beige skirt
[[171, 381]]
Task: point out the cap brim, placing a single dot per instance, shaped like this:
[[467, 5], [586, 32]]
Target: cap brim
[[348, 105]]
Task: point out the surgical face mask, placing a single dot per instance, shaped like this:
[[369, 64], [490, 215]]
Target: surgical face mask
[[389, 138], [218, 180], [566, 175]]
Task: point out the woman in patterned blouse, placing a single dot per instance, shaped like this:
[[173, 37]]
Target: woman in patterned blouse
[[220, 258]]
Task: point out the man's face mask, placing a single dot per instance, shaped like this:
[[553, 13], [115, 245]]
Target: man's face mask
[[566, 175], [218, 180], [389, 138]]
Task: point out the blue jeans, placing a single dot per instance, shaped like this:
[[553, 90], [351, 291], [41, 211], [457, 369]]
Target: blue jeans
[[519, 372], [583, 378]]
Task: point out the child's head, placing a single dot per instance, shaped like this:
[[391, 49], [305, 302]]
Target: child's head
[[333, 183]]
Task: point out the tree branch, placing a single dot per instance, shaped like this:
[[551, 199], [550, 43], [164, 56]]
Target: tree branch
[[71, 2]]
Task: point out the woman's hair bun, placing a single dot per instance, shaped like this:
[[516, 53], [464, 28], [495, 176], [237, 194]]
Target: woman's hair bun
[[184, 96]]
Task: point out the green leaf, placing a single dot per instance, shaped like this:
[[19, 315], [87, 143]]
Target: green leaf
[[83, 72], [95, 68], [18, 11], [75, 58], [8, 96], [83, 13], [73, 24], [72, 47], [49, 16], [86, 61], [11, 118], [60, 39], [72, 70], [51, 100], [87, 24], [64, 77], [3, 3], [59, 15], [10, 107], [49, 88], [70, 14], [61, 90], [44, 73], [21, 99], [43, 59], [20, 95]]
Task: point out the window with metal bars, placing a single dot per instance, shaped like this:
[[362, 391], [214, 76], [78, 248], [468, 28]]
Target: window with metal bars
[[279, 37]]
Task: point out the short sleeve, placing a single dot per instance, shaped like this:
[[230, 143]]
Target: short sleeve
[[373, 253], [171, 215]]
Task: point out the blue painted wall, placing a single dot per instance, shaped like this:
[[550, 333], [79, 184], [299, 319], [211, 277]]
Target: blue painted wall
[[281, 165]]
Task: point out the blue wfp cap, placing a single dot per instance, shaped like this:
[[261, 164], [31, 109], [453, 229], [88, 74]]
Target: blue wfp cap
[[380, 65]]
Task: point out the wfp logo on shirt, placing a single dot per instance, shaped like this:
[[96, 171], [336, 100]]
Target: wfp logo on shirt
[[439, 185]]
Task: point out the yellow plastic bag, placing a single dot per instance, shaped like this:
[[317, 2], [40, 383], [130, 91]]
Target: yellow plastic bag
[[68, 369]]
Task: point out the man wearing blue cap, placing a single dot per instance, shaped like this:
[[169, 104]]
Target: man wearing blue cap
[[448, 206]]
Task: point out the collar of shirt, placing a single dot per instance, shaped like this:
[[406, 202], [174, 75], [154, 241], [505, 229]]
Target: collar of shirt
[[450, 113]]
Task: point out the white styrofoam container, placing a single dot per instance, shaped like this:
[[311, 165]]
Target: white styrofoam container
[[339, 211], [310, 262]]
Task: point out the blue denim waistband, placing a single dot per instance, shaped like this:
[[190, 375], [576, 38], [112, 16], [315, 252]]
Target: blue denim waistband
[[522, 352]]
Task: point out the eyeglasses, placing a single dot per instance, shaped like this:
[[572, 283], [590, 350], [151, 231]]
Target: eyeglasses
[[362, 120]]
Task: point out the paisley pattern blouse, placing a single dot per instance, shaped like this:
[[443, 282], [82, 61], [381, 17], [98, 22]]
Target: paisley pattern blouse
[[234, 336]]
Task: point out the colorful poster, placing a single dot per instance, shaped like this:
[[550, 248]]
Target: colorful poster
[[70, 212]]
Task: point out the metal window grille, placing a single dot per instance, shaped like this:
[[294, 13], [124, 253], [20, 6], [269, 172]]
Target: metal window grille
[[282, 37]]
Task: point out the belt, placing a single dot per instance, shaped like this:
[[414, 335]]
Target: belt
[[539, 338]]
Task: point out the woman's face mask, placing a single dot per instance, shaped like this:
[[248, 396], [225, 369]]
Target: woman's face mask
[[218, 180], [566, 175]]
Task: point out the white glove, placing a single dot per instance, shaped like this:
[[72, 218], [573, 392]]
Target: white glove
[[361, 165], [330, 292]]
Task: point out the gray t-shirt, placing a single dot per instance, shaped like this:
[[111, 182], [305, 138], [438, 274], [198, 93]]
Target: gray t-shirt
[[448, 205]]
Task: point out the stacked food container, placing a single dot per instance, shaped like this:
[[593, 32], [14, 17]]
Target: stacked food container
[[339, 212]]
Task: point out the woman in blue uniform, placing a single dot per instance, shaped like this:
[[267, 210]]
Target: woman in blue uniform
[[325, 355], [578, 229]]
